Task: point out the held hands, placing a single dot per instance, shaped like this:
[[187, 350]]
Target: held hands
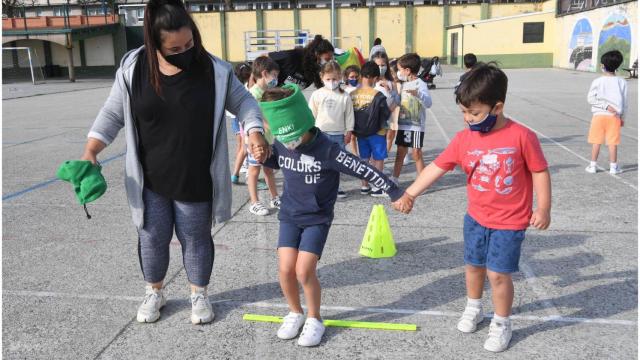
[[259, 147], [540, 219], [347, 137], [404, 204]]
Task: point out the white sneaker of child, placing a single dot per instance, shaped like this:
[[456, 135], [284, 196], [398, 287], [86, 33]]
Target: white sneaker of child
[[311, 332], [499, 335], [471, 317], [291, 325]]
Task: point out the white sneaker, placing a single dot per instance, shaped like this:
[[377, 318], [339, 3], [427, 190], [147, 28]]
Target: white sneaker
[[258, 209], [291, 326], [615, 170], [311, 332], [499, 336], [149, 310], [275, 202], [201, 309], [471, 317], [591, 169], [407, 160]]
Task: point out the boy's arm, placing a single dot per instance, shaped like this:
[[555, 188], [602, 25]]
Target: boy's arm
[[427, 177], [541, 217], [348, 114], [423, 95], [347, 163]]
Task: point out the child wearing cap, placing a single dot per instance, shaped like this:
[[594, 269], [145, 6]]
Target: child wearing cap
[[311, 165]]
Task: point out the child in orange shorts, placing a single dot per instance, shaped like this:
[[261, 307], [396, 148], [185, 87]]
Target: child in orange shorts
[[608, 99]]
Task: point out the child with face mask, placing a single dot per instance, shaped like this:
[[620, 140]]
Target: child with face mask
[[311, 165], [332, 108], [265, 75], [351, 78], [504, 165]]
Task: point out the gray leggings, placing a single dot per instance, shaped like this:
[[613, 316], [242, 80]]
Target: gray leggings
[[192, 221]]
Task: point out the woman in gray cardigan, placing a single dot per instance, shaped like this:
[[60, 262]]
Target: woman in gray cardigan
[[170, 96]]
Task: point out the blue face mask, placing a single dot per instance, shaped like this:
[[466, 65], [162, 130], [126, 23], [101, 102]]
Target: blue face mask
[[272, 83], [353, 82], [485, 125]]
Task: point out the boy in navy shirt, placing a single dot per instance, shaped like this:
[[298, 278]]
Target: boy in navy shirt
[[311, 164]]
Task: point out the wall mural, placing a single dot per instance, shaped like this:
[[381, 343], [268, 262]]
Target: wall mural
[[581, 46], [616, 35]]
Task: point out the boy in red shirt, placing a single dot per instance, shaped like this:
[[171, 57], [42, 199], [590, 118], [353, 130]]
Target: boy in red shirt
[[504, 165]]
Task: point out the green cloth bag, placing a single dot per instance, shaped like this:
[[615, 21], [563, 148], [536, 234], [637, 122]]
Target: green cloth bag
[[86, 178], [288, 118]]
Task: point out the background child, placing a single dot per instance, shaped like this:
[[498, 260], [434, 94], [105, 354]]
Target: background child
[[265, 73], [413, 113], [311, 164], [243, 72], [504, 163], [388, 88], [608, 99], [470, 60], [351, 78], [332, 108], [371, 115]]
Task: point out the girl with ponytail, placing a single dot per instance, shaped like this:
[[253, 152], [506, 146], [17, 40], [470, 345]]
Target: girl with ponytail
[[301, 66], [170, 95]]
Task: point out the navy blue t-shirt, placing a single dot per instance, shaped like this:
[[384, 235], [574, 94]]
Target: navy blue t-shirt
[[312, 177]]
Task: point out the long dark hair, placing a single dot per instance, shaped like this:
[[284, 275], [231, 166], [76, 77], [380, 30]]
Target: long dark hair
[[311, 71], [167, 15]]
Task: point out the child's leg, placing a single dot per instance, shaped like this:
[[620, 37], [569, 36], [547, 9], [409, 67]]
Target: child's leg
[[252, 182], [391, 136], [595, 150], [378, 164], [502, 292], [287, 258], [271, 181], [240, 155], [306, 275], [474, 277], [613, 153], [417, 157], [397, 166]]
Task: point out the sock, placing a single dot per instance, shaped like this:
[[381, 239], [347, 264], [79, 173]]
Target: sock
[[501, 319], [593, 164], [476, 303], [613, 165]]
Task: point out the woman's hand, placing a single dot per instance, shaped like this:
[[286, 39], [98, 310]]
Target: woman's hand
[[259, 147], [92, 149]]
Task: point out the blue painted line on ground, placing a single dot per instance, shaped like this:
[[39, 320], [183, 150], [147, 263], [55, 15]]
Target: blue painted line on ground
[[49, 182]]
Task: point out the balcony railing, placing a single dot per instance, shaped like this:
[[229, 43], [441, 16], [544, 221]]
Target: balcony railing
[[57, 22]]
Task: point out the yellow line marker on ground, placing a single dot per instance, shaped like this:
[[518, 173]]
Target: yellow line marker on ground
[[340, 323]]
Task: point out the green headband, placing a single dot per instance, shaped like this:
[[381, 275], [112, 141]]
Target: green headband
[[288, 118]]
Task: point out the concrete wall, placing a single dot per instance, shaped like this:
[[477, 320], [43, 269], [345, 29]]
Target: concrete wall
[[351, 23], [391, 28], [427, 36], [209, 27], [37, 52], [99, 51], [59, 54], [506, 41], [589, 28]]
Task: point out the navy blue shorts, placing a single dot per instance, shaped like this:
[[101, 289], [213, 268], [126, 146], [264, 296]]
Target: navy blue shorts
[[310, 238], [497, 250]]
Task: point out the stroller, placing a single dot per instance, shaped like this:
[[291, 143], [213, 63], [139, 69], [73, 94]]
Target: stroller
[[428, 71]]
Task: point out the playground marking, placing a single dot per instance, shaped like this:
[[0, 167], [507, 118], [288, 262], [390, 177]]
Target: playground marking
[[373, 310]]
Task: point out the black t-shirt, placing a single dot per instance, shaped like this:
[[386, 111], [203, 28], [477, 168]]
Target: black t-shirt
[[291, 69], [175, 131]]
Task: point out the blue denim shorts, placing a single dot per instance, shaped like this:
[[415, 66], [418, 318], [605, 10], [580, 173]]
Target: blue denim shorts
[[310, 238], [497, 250], [373, 146]]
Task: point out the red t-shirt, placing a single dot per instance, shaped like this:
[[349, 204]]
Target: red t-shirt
[[498, 165]]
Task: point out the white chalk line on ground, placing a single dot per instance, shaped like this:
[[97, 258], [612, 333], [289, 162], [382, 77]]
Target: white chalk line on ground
[[372, 310]]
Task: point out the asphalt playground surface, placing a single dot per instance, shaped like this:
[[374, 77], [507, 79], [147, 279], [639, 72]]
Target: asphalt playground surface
[[71, 286]]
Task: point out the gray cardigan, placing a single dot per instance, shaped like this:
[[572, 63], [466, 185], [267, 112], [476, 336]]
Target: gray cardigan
[[116, 113]]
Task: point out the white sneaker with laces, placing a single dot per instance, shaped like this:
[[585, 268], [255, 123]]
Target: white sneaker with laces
[[275, 202], [201, 309], [499, 336], [471, 317], [258, 209], [311, 332], [291, 325], [591, 169], [615, 170], [149, 310]]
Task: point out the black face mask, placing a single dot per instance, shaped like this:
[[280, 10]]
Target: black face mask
[[182, 60]]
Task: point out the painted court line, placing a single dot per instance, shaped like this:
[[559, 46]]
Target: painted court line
[[373, 310], [49, 182], [574, 153]]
